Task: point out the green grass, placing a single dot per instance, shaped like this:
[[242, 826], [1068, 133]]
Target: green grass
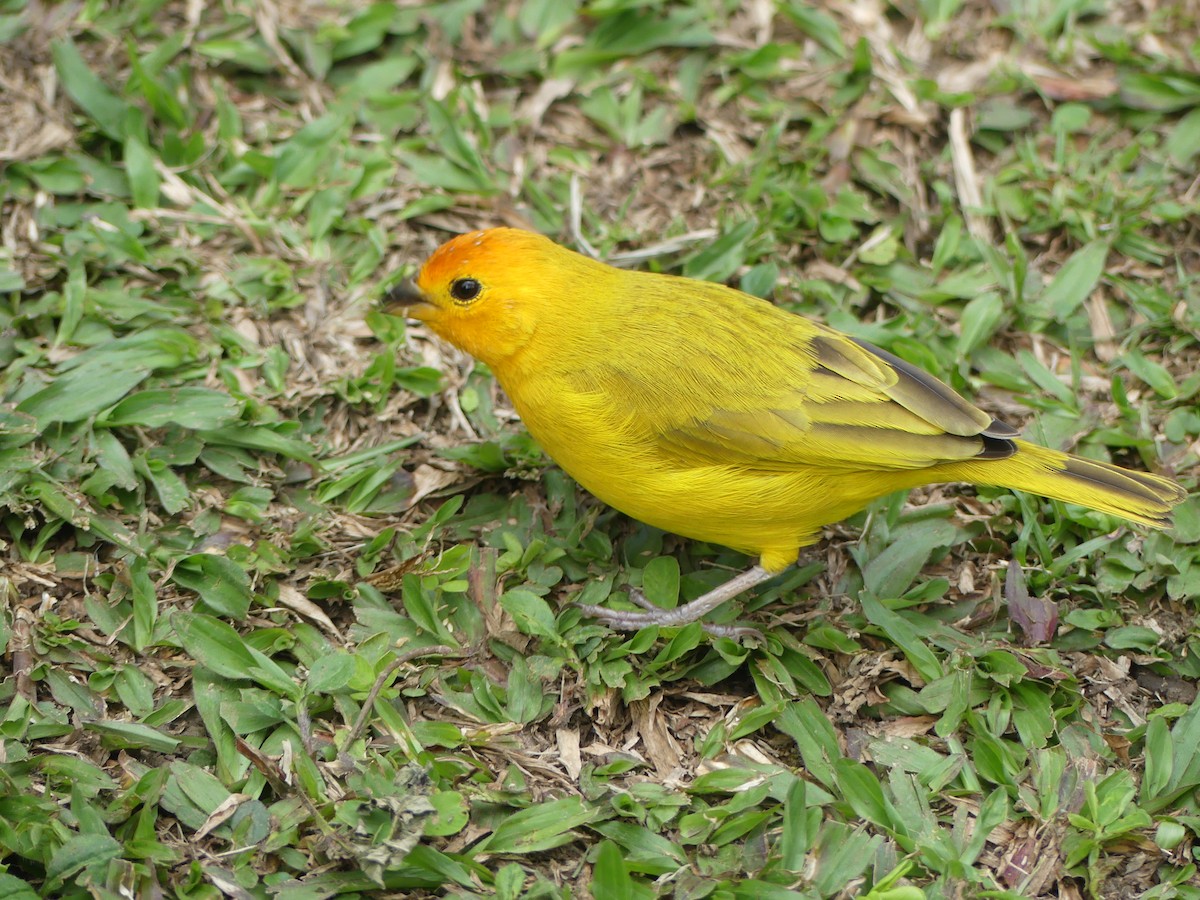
[[287, 589]]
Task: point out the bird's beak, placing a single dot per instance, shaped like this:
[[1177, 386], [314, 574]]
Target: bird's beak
[[406, 299]]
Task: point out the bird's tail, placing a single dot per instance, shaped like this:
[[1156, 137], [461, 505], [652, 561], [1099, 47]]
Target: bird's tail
[[1137, 496]]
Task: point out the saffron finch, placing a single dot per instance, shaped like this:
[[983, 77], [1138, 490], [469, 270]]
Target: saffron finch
[[713, 414]]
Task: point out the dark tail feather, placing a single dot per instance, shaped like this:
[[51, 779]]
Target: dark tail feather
[[1137, 496]]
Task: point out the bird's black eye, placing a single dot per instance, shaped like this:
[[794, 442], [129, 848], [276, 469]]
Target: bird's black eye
[[465, 289]]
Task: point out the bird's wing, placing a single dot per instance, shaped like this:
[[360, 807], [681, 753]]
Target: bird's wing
[[846, 404]]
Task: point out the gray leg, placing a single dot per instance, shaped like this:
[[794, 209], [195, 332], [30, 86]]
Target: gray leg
[[682, 615]]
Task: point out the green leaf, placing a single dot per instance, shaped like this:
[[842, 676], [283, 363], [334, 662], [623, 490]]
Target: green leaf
[[439, 172], [172, 492], [331, 673], [993, 811], [79, 394], [213, 644], [1161, 91], [79, 852], [539, 828], [1041, 376], [189, 407], [192, 793], [143, 177], [453, 814], [71, 692], [260, 437], [805, 723], [531, 613], [1159, 760], [799, 828], [526, 699], [1183, 141], [906, 636], [889, 574], [10, 280], [863, 792], [1154, 374], [633, 33], [248, 53], [131, 735], [74, 293], [105, 109], [1187, 523], [660, 581], [14, 888], [1185, 758], [760, 280], [841, 856], [221, 583], [980, 319], [1075, 281], [217, 646], [1132, 637], [685, 640], [720, 259], [651, 851], [145, 603], [113, 458], [816, 24], [610, 877]]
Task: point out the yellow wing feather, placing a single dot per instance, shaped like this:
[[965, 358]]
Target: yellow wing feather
[[785, 391]]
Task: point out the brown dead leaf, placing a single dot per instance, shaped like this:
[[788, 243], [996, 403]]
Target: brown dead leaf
[[222, 813], [428, 479], [533, 107], [648, 722], [297, 602], [1102, 327], [962, 78], [33, 126], [1035, 616], [392, 578], [966, 179], [1077, 89], [908, 726], [966, 578], [1171, 688], [569, 755], [1119, 744], [1033, 859]]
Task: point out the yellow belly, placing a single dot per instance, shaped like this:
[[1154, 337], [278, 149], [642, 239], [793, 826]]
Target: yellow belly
[[770, 514]]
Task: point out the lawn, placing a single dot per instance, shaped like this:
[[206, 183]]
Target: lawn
[[288, 591]]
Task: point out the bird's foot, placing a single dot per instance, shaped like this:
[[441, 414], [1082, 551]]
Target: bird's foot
[[630, 620]]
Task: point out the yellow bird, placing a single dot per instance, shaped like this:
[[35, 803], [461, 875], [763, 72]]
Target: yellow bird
[[707, 412]]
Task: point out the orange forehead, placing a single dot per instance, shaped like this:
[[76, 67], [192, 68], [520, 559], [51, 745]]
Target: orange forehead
[[475, 253]]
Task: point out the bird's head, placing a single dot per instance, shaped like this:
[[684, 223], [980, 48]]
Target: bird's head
[[487, 291]]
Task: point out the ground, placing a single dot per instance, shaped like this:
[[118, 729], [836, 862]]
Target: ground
[[287, 591]]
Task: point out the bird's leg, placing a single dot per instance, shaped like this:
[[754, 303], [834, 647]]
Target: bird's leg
[[681, 615]]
